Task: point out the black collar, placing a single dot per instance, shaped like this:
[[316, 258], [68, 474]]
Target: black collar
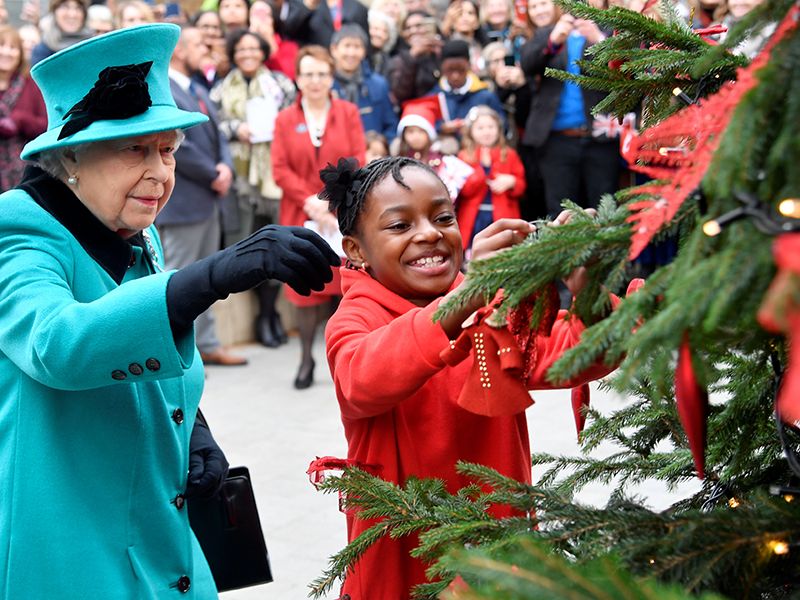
[[106, 247]]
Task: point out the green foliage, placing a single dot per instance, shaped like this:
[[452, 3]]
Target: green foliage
[[709, 293]]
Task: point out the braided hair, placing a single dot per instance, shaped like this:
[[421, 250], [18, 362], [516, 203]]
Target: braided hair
[[347, 185]]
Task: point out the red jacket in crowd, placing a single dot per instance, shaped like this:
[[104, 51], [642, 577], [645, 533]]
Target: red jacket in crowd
[[506, 205]]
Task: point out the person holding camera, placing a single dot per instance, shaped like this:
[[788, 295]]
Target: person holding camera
[[415, 68], [577, 160], [312, 22]]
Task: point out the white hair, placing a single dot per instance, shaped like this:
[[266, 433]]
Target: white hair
[[379, 15]]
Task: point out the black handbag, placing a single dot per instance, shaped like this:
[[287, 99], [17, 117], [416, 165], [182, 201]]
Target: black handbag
[[229, 531]]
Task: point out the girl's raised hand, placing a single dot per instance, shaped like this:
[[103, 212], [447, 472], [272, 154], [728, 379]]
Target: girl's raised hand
[[577, 278], [500, 235]]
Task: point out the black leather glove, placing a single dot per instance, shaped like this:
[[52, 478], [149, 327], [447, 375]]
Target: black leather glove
[[208, 467], [294, 255]]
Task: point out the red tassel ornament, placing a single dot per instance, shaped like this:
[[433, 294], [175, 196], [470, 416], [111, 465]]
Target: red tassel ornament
[[692, 401]]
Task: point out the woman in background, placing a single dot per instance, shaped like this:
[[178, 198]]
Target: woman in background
[[62, 27], [382, 40], [316, 130], [258, 196], [23, 115], [216, 64], [134, 12]]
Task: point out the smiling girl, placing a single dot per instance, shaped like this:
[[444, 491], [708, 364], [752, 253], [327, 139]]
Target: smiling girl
[[396, 394]]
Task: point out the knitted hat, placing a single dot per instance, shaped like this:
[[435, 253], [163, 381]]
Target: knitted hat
[[423, 112], [108, 87], [455, 49]]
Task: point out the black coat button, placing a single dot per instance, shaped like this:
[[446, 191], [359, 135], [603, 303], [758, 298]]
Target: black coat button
[[135, 369], [152, 364], [180, 501], [118, 375], [184, 584], [177, 416]]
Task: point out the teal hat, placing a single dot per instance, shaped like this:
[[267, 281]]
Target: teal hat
[[112, 86]]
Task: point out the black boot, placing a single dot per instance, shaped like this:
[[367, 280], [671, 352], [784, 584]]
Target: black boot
[[278, 331], [264, 332]]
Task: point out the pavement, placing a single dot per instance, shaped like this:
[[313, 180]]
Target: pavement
[[262, 422]]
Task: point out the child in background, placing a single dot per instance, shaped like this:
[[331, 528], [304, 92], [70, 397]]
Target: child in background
[[493, 190], [377, 146], [417, 131], [397, 396]]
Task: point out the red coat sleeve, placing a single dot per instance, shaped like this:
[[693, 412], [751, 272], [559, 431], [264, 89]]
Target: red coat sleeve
[[364, 360], [358, 141], [30, 113]]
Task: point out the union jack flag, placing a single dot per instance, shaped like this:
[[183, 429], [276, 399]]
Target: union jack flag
[[611, 127]]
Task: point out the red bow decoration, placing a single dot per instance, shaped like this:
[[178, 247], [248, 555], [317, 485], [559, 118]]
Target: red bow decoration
[[495, 386], [780, 313], [692, 402]]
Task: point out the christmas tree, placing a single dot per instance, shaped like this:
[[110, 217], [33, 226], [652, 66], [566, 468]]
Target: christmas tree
[[724, 161]]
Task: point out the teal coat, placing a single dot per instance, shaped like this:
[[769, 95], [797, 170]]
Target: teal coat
[[91, 462]]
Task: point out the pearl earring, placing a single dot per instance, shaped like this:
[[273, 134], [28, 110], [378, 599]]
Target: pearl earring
[[73, 179], [364, 266]]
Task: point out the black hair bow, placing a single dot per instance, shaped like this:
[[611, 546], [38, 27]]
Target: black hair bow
[[120, 93], [342, 183]]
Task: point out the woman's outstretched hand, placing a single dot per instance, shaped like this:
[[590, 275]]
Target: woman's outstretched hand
[[294, 255]]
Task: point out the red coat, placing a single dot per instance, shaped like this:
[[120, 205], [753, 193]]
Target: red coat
[[506, 205], [296, 164], [398, 403]]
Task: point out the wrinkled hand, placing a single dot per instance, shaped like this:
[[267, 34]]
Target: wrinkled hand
[[223, 182], [8, 128], [502, 183], [208, 467], [577, 279], [500, 235]]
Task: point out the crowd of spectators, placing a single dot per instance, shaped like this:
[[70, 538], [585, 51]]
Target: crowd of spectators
[[421, 78]]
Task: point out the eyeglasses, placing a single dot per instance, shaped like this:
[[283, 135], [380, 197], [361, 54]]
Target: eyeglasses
[[318, 76], [250, 49]]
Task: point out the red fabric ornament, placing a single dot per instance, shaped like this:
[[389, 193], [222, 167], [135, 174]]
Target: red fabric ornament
[[780, 313], [692, 402], [580, 398], [680, 148], [495, 386], [318, 469]]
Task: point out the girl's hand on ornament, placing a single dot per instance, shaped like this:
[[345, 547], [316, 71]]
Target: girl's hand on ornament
[[500, 235], [565, 216], [502, 183], [578, 278]]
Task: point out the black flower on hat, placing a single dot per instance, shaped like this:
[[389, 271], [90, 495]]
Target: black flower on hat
[[342, 183], [120, 93]]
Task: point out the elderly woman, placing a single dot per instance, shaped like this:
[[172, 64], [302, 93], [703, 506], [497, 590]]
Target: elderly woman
[[62, 27], [100, 379], [382, 40], [316, 130], [247, 85]]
